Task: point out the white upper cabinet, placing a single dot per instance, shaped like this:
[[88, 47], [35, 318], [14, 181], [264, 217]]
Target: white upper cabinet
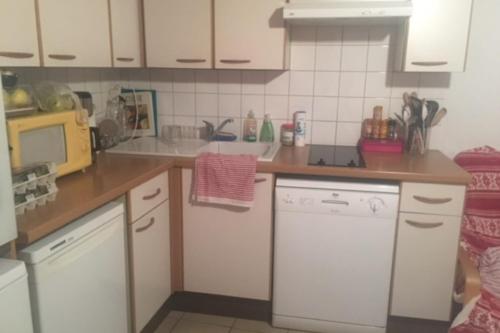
[[178, 33], [438, 33], [18, 33], [250, 34], [75, 33], [126, 33]]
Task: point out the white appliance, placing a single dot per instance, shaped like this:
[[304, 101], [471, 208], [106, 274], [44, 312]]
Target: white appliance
[[8, 229], [328, 10], [78, 275], [15, 312], [334, 244]]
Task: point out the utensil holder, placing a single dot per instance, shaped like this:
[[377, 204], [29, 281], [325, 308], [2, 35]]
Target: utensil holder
[[417, 139]]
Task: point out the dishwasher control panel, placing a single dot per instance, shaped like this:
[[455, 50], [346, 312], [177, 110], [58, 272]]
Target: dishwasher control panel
[[322, 201]]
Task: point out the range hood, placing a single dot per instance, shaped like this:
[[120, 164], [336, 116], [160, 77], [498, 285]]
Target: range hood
[[331, 10]]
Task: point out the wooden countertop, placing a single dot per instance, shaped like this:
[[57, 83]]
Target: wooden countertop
[[79, 193], [113, 175], [433, 167]]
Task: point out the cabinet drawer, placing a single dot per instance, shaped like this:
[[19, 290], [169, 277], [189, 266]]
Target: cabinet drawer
[[432, 199], [150, 253], [424, 267], [148, 195]]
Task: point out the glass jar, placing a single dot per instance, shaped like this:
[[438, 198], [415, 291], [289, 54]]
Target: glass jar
[[286, 136]]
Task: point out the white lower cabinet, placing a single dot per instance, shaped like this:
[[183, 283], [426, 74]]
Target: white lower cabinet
[[227, 251], [149, 250], [424, 267]]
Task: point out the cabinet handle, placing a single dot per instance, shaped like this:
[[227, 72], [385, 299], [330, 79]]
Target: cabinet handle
[[423, 225], [235, 61], [125, 59], [146, 227], [335, 202], [152, 196], [62, 56], [432, 201], [429, 63], [191, 61], [17, 55], [259, 180]]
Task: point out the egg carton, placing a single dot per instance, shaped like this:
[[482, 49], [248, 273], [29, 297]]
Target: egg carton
[[30, 177], [35, 198]]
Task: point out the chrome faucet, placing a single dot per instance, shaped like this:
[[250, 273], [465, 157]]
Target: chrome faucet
[[212, 131]]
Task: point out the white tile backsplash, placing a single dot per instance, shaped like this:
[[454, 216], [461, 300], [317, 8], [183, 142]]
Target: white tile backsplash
[[326, 83], [338, 74], [354, 58], [207, 105], [325, 108], [229, 106]]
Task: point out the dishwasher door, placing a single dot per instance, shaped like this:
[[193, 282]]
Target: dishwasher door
[[333, 257]]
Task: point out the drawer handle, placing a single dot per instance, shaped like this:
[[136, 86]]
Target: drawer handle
[[235, 61], [429, 63], [432, 201], [62, 56], [423, 225], [146, 227], [125, 59], [259, 180], [335, 202], [191, 61], [17, 55], [152, 196]]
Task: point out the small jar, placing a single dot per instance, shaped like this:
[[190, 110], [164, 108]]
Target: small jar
[[376, 129], [368, 128], [286, 136], [378, 112], [384, 129]]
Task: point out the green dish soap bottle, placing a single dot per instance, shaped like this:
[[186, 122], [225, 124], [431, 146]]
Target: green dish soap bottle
[[267, 130]]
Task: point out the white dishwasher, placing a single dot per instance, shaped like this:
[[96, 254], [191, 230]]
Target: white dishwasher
[[78, 275], [333, 254]]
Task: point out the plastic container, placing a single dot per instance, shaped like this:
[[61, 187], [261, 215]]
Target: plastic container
[[381, 146], [250, 128], [28, 178], [267, 130], [19, 101], [35, 197]]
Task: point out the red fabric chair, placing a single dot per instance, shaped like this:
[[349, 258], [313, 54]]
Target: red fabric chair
[[480, 242]]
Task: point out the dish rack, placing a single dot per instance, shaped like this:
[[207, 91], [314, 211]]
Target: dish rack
[[34, 185]]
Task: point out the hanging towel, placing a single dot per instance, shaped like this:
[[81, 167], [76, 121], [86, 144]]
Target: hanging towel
[[225, 179]]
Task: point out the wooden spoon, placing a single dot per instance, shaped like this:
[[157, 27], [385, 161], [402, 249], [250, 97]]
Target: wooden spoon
[[438, 116]]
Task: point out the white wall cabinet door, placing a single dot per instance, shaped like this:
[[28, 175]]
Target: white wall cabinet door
[[75, 33], [150, 252], [18, 33], [178, 33], [228, 251], [424, 268], [126, 32], [438, 33], [250, 34]]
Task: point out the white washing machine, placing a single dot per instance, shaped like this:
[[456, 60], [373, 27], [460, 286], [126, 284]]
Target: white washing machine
[[15, 311]]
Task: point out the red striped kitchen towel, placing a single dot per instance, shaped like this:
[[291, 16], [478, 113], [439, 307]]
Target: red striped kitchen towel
[[225, 179]]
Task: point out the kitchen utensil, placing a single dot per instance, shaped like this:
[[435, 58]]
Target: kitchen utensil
[[433, 107], [439, 115]]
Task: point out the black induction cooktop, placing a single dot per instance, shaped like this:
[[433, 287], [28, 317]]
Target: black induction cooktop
[[339, 156]]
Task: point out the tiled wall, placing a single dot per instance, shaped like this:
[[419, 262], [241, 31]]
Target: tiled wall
[[338, 74]]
